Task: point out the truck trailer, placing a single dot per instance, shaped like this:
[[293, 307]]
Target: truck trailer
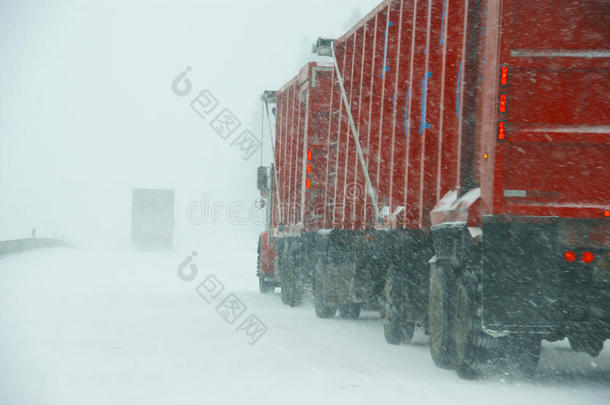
[[464, 177]]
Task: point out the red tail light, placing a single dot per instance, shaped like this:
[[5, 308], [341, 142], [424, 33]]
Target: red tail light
[[501, 131], [569, 256], [607, 213], [308, 169], [309, 154], [504, 75], [307, 183], [587, 257], [502, 107]]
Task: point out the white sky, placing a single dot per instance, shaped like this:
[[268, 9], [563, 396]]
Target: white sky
[[86, 110]]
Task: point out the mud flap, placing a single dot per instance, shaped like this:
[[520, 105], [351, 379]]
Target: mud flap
[[521, 276]]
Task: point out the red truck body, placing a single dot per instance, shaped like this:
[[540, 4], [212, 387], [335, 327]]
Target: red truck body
[[459, 171], [301, 128]]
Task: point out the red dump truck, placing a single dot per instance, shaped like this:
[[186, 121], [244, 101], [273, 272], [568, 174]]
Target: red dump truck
[[465, 177]]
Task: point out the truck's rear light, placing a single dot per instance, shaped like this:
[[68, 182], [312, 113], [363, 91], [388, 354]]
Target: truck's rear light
[[502, 107], [587, 257], [607, 213], [308, 169], [503, 75], [307, 183], [501, 131], [569, 256], [309, 154]]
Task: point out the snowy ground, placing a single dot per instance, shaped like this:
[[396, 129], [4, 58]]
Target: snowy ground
[[86, 327]]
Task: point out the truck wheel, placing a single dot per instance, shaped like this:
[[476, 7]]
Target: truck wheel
[[322, 309], [349, 311], [265, 287], [283, 290], [590, 344], [440, 328], [523, 353], [287, 287], [395, 329], [473, 347], [294, 290]]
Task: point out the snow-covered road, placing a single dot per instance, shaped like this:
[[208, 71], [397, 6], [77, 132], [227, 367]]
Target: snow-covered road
[[86, 327]]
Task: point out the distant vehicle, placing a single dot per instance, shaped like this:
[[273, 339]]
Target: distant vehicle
[[152, 218]]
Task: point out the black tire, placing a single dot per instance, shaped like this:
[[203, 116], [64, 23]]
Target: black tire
[[475, 351], [287, 287], [294, 291], [284, 285], [265, 287], [440, 310], [395, 329], [322, 309], [283, 289], [590, 344], [349, 311]]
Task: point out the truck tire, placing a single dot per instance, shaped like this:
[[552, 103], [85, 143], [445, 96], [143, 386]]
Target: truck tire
[[265, 287], [283, 287], [473, 347], [349, 311], [440, 309], [294, 291], [590, 344], [287, 286], [395, 329], [322, 309]]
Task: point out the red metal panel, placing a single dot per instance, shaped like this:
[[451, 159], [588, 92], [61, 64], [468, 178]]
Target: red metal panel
[[421, 78], [297, 192], [431, 131], [282, 163], [450, 122], [292, 139], [341, 144], [316, 142], [353, 94], [333, 149], [302, 124], [416, 120], [346, 152], [554, 159], [356, 187], [368, 78], [386, 107], [285, 180], [373, 161], [402, 100]]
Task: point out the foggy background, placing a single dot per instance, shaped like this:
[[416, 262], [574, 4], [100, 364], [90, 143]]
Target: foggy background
[[87, 112]]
